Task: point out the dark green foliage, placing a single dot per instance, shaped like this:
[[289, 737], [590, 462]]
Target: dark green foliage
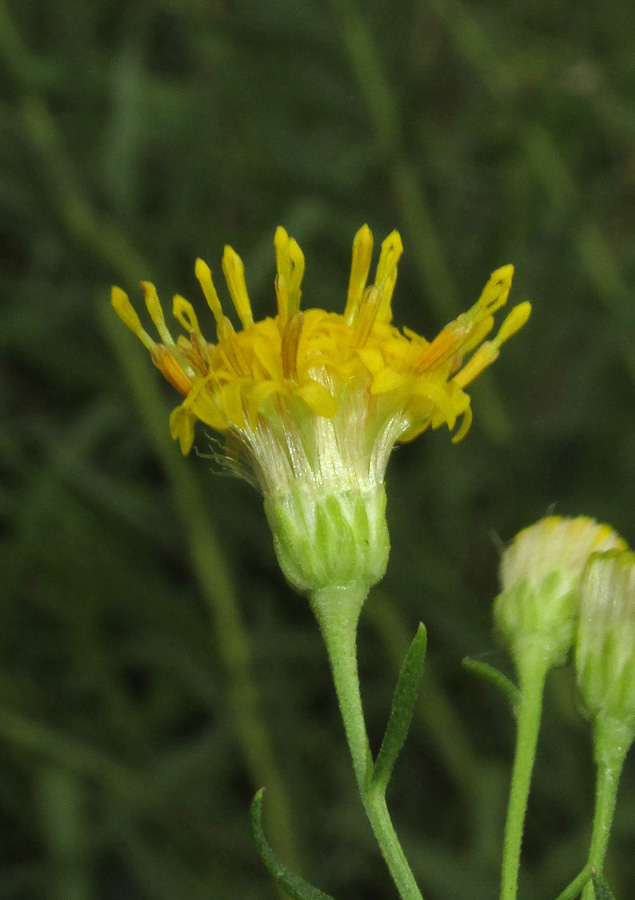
[[155, 670]]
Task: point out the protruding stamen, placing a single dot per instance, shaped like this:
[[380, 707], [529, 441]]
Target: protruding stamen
[[156, 312], [290, 344], [366, 315], [232, 349], [204, 276], [496, 291], [183, 312], [360, 266], [290, 268], [386, 275], [488, 352], [124, 309], [171, 370], [442, 347], [513, 323], [234, 271]]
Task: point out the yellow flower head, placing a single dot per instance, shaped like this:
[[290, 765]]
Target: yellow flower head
[[315, 395]]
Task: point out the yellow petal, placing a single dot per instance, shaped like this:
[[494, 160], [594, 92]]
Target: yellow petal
[[182, 428], [319, 398], [387, 380]]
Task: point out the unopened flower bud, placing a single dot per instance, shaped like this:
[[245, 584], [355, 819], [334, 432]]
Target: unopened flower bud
[[536, 612]]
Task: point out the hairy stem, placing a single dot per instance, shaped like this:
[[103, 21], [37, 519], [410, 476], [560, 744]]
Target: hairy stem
[[337, 610]]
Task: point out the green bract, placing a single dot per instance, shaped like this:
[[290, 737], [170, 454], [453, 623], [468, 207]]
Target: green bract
[[338, 539], [605, 649]]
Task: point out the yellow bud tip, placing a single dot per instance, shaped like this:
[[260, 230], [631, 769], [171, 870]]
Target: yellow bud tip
[[204, 276]]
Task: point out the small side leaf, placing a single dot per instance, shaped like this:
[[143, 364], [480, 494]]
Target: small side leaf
[[500, 681], [601, 888], [403, 704], [296, 887]]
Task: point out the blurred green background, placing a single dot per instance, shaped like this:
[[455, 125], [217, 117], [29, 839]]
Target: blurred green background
[[154, 667]]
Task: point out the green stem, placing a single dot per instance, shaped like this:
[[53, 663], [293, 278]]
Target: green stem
[[337, 610], [532, 673], [611, 741]]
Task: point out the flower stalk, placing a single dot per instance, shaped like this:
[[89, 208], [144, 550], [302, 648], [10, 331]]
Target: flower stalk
[[337, 611], [532, 674]]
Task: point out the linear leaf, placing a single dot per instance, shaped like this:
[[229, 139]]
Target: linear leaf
[[495, 677], [403, 704], [294, 885]]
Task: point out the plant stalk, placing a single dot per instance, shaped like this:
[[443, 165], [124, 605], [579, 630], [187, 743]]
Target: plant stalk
[[337, 610]]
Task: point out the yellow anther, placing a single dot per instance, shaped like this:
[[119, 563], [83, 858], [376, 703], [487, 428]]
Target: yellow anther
[[183, 312], [386, 275], [229, 342], [281, 247], [204, 276], [234, 271], [290, 269], [360, 266], [124, 309], [296, 259], [496, 291], [478, 334], [156, 312], [290, 343], [171, 369], [366, 315]]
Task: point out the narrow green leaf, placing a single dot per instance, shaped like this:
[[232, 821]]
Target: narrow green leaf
[[403, 704], [296, 887], [601, 888], [500, 681]]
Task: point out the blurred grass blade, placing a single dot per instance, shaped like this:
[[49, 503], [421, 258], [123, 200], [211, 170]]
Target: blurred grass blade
[[403, 706], [500, 681], [293, 884]]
